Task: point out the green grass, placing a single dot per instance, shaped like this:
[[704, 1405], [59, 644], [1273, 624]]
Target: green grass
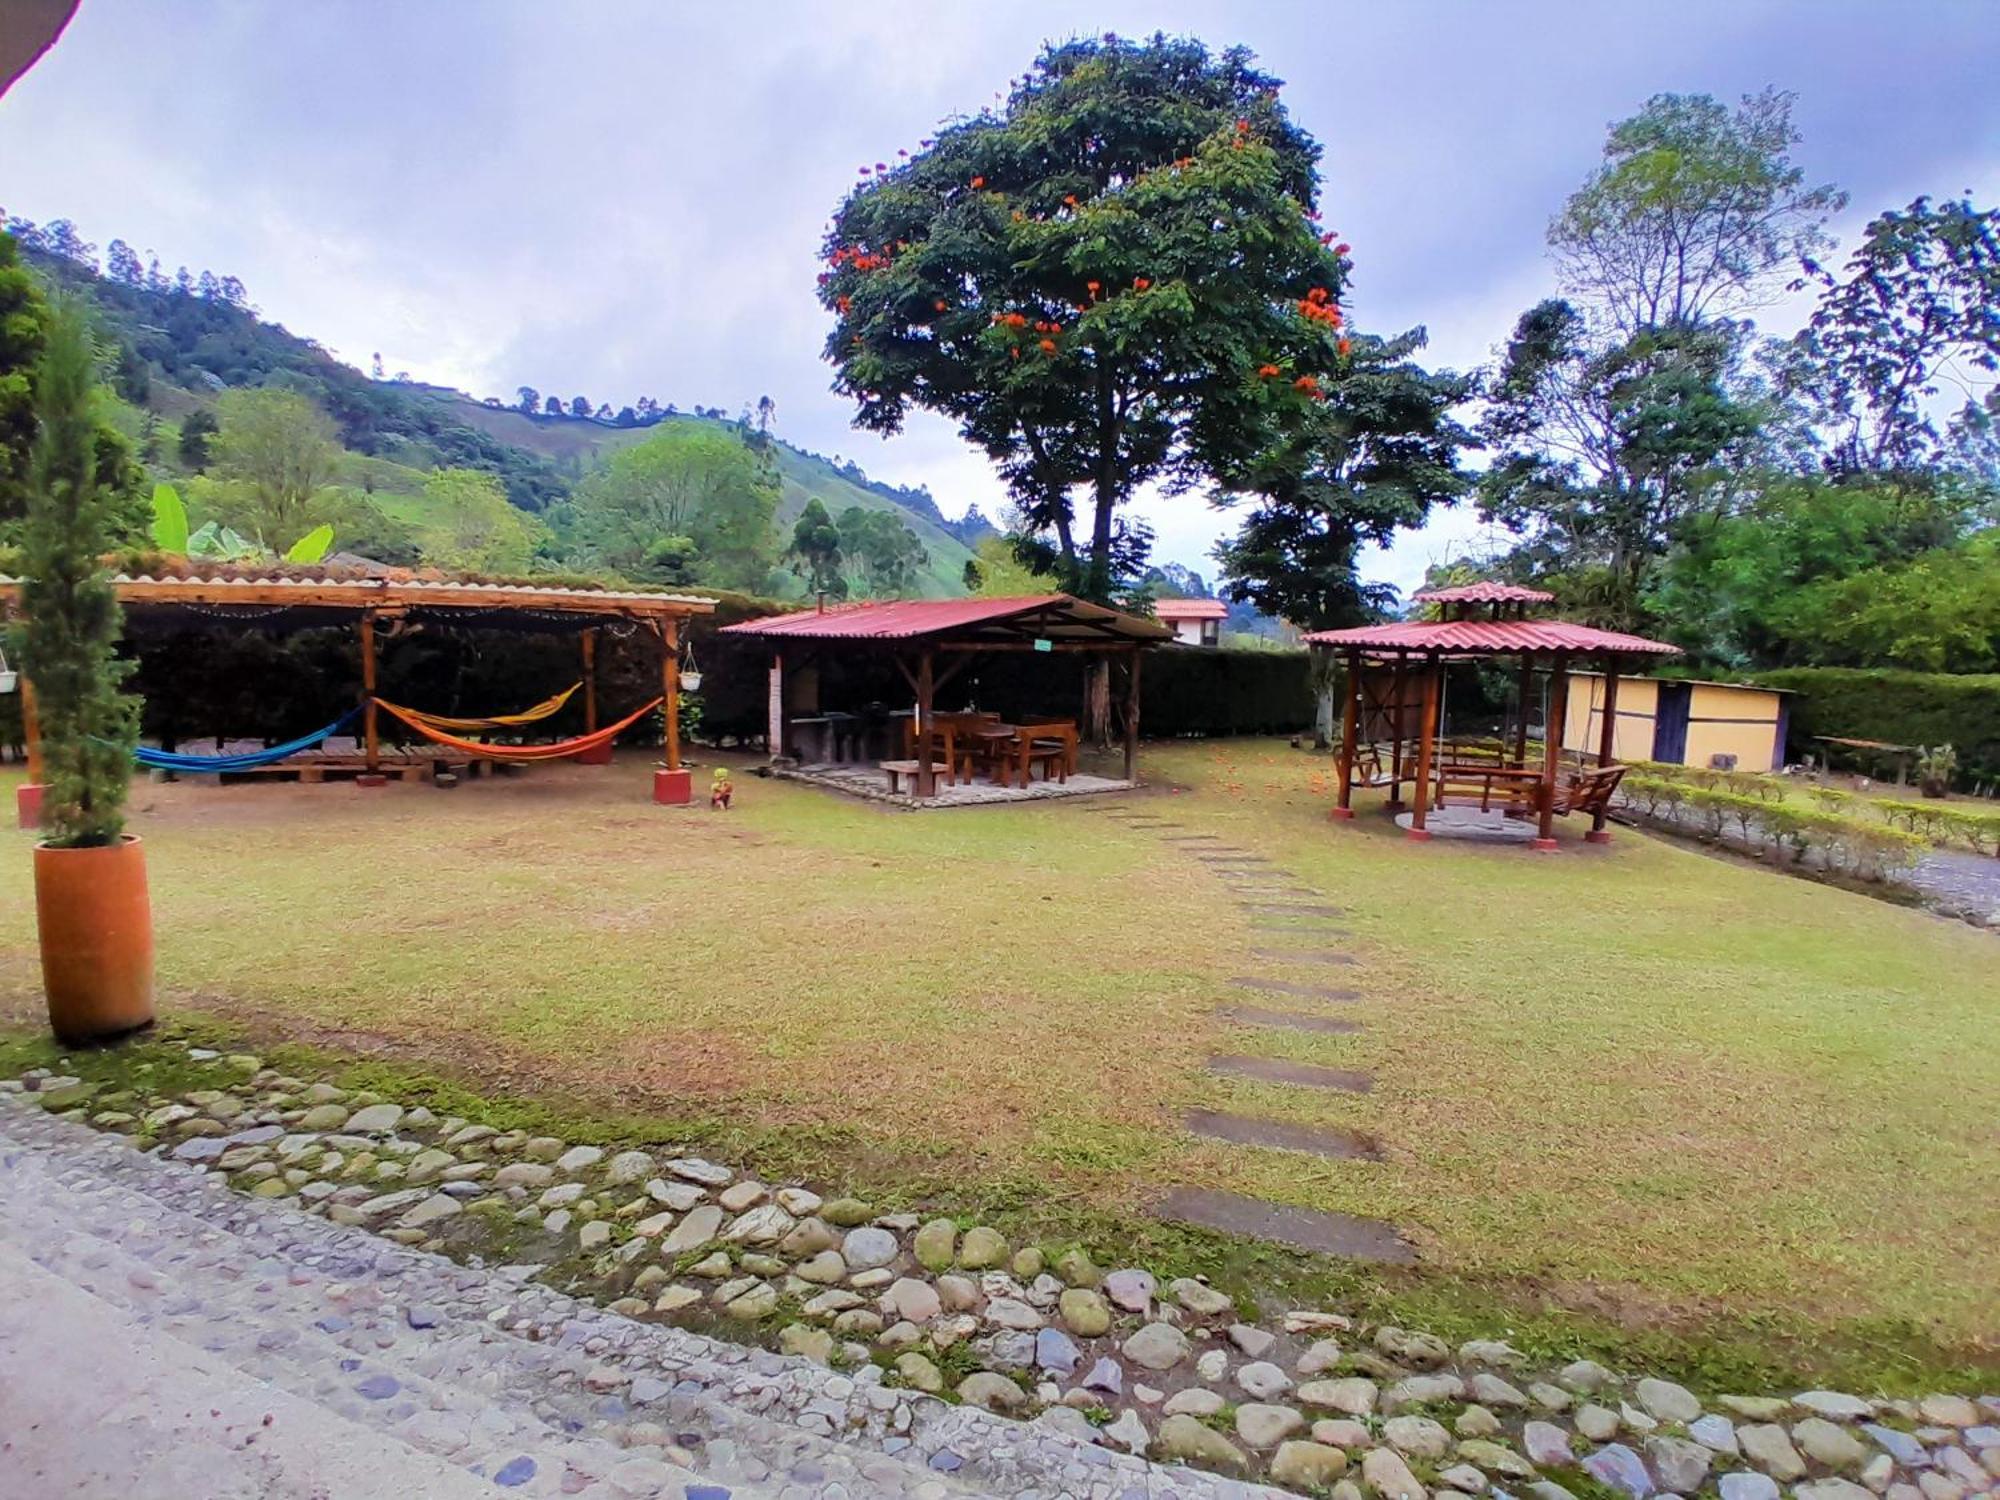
[[1635, 1102]]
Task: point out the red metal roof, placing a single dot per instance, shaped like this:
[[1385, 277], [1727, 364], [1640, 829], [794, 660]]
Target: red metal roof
[[1190, 609], [1491, 638], [1485, 592], [1049, 616]]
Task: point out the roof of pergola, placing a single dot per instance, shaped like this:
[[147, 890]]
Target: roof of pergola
[[1484, 592], [1468, 638], [945, 623]]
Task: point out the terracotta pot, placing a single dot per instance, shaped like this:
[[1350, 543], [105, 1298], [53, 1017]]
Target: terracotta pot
[[96, 926]]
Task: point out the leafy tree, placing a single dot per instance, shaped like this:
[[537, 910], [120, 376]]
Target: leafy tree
[[1694, 214], [276, 450], [553, 406], [885, 555], [579, 406], [1080, 278], [23, 336], [69, 645], [1917, 310], [1374, 457], [815, 551], [1939, 612], [198, 427], [997, 572], [688, 482], [530, 399], [478, 529], [121, 264]]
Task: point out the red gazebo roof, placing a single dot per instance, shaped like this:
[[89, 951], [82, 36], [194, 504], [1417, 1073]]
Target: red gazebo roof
[[1491, 638], [1484, 592], [1054, 617]]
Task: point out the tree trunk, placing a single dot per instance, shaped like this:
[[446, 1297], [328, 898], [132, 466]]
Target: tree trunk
[[1324, 674], [1096, 726]]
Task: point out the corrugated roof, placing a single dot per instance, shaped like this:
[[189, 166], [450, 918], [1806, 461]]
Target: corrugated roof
[[361, 592], [1190, 609], [1484, 592], [1051, 616], [1490, 638]]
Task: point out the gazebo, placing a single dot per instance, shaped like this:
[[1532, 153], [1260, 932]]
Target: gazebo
[[1395, 687], [930, 641]]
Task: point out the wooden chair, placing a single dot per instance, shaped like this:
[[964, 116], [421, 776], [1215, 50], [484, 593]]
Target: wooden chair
[[1588, 790], [898, 770]]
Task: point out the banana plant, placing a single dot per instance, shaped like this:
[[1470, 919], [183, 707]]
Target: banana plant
[[170, 521], [222, 544], [312, 547]]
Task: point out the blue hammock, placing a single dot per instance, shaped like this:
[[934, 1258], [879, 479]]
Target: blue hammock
[[249, 760]]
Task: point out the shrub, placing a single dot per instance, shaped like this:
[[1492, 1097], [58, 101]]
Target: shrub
[[1900, 708]]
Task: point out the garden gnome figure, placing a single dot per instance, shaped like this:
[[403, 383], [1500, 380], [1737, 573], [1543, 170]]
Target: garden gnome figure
[[720, 790]]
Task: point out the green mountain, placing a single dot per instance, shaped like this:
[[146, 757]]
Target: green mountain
[[176, 342]]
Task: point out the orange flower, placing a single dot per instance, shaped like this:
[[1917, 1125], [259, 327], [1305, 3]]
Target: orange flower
[[1346, 347], [1092, 287], [1267, 371], [1048, 346], [843, 303], [1242, 127], [1070, 200], [978, 183], [1019, 216], [1140, 283], [1015, 351], [939, 304]]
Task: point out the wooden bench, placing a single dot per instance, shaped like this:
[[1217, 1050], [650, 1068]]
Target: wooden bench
[[1588, 791], [897, 770]]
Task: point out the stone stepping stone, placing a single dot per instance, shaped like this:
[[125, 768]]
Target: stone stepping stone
[[1232, 857], [1297, 908], [1284, 1070], [1195, 838], [1299, 1228], [1294, 1020], [1245, 1130], [1288, 987], [1303, 955]]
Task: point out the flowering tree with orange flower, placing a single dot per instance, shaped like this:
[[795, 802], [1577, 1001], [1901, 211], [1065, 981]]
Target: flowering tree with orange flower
[[1100, 282]]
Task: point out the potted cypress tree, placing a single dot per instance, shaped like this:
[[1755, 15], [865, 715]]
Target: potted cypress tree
[[91, 903]]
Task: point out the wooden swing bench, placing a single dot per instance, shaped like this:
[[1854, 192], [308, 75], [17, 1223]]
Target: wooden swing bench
[[1517, 790]]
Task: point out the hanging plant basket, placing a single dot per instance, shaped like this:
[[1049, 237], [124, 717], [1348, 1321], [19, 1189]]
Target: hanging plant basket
[[690, 681], [10, 680]]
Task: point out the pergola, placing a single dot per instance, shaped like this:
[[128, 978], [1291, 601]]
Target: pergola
[[932, 640], [273, 598], [1395, 685]]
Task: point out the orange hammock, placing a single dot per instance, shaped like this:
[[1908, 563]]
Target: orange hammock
[[534, 715], [559, 750]]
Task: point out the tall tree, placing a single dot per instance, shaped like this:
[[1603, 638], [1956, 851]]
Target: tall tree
[[477, 528], [198, 429], [1074, 278], [688, 482], [275, 450], [529, 399], [815, 552], [884, 555], [1917, 311], [579, 406], [1696, 212], [23, 316]]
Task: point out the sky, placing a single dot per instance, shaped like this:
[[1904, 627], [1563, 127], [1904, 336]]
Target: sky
[[623, 199]]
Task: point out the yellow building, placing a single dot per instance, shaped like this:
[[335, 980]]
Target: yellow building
[[1713, 725]]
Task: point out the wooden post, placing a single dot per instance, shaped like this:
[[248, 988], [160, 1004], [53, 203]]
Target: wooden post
[[1607, 749], [1521, 728], [588, 642], [1350, 721], [371, 744], [28, 795], [774, 708], [926, 777], [1396, 681], [1426, 733], [670, 684], [1552, 738], [1132, 714]]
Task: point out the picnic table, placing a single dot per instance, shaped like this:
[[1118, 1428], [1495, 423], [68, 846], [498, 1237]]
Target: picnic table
[[972, 743]]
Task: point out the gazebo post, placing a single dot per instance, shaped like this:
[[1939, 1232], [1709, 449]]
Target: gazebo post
[[1552, 737], [371, 745], [1521, 725], [587, 644], [926, 683], [774, 707], [1350, 719], [1396, 691], [1131, 713], [28, 795], [672, 786], [1607, 745], [1426, 732]]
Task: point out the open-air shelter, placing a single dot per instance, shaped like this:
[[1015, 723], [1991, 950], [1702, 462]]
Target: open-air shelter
[[379, 607], [1395, 687], [930, 641]]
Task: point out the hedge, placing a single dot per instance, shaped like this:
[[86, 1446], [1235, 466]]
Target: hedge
[[1898, 708], [1855, 846]]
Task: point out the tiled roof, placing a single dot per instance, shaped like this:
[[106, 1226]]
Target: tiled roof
[[1054, 616], [1190, 609], [1491, 638], [1484, 592]]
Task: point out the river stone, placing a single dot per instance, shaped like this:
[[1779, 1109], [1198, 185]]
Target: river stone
[[1825, 1443], [1766, 1445], [1265, 1426], [1106, 1375], [375, 1119], [815, 1344], [694, 1169], [868, 1247], [1199, 1298], [1012, 1312], [1322, 1356], [696, 1230], [824, 1269], [427, 1166], [1263, 1380], [524, 1174], [1250, 1340], [679, 1196], [1475, 1422], [1618, 1466], [1185, 1439], [742, 1195], [1212, 1365], [845, 1213], [1418, 1436], [1129, 1432], [1157, 1346], [991, 1392], [1714, 1432], [1679, 1465], [935, 1244], [1420, 1351], [1422, 1390], [628, 1167], [759, 1302], [1389, 1476], [1598, 1423], [911, 1300], [1744, 1485], [1585, 1377], [918, 1373], [1835, 1405], [1056, 1352], [1195, 1401], [430, 1211], [1305, 1466], [1492, 1456], [1667, 1402], [764, 1225], [1491, 1390], [1948, 1411], [1898, 1445], [579, 1159], [1496, 1352], [594, 1236], [959, 1293], [1077, 1268], [806, 1238], [1084, 1312], [981, 1249], [323, 1117], [562, 1195], [1464, 1478], [1755, 1408], [1352, 1395], [1131, 1290], [1547, 1444], [1837, 1489]]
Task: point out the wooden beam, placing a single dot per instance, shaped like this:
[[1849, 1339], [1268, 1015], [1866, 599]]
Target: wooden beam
[[1607, 749], [1132, 715], [951, 669], [1526, 692], [371, 745], [1426, 733], [1397, 680], [670, 681], [587, 643], [1350, 722], [31, 731], [926, 776], [1552, 737], [774, 710]]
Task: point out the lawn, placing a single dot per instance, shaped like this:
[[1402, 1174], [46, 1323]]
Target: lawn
[[1629, 1093]]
